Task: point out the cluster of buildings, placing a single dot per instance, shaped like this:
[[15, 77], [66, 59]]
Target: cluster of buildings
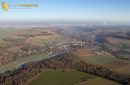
[[53, 47]]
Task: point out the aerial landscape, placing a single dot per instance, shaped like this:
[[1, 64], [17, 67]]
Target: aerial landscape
[[68, 46]]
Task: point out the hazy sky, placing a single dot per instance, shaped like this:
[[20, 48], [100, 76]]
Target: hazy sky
[[70, 9]]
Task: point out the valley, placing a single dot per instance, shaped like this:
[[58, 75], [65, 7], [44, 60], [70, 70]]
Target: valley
[[95, 52]]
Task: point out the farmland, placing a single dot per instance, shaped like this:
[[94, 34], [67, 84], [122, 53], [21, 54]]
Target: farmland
[[12, 40], [106, 60], [52, 77], [70, 77], [98, 81], [93, 57], [9, 35]]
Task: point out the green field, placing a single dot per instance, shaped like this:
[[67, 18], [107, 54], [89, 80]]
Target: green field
[[101, 59], [88, 56], [52, 77], [70, 77], [99, 81], [106, 60]]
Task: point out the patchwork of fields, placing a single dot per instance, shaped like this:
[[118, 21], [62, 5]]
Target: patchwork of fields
[[13, 40], [75, 77], [25, 36], [106, 60]]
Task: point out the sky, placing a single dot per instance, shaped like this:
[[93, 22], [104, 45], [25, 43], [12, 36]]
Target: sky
[[118, 10]]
